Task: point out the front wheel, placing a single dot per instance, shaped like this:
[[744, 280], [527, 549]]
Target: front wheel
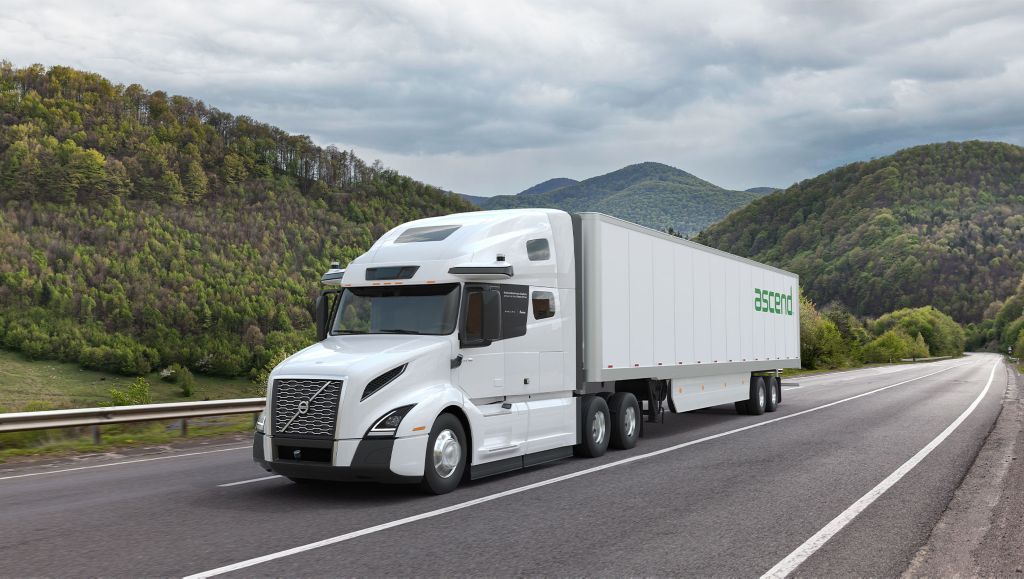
[[595, 427], [446, 456]]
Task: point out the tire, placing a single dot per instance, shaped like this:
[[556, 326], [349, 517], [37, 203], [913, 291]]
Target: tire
[[595, 427], [443, 469], [772, 399], [625, 417], [758, 396]]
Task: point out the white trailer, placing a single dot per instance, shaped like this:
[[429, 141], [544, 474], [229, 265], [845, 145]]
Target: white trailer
[[478, 343]]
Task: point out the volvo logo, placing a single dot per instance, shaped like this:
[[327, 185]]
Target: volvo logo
[[304, 406]]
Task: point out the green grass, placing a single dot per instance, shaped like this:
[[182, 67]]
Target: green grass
[[68, 441], [27, 384]]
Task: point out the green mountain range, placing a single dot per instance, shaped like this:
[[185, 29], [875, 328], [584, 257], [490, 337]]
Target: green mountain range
[[141, 229], [652, 194], [939, 225]]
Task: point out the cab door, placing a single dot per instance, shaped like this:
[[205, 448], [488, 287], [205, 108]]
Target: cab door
[[482, 375]]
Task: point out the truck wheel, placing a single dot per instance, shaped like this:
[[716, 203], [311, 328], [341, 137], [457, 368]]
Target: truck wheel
[[625, 415], [758, 396], [445, 461], [772, 402], [595, 427]]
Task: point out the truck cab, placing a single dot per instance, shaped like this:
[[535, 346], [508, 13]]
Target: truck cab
[[447, 349]]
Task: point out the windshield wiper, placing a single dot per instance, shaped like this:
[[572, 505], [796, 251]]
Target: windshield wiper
[[396, 331], [348, 332]]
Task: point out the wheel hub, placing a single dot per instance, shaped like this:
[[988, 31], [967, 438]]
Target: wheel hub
[[447, 453], [598, 427], [629, 421]]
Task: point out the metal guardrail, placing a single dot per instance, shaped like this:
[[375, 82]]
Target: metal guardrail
[[96, 417], [932, 359]]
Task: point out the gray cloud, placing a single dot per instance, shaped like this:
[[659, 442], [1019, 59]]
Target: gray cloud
[[490, 98]]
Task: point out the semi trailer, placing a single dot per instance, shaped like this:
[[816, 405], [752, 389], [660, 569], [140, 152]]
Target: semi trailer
[[474, 344]]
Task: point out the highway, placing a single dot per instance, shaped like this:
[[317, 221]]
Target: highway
[[848, 478]]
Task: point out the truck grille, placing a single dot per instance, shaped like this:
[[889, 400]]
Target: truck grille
[[305, 408]]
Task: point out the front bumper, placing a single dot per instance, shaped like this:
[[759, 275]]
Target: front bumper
[[372, 460]]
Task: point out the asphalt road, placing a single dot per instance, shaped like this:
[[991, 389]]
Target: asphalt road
[[702, 494]]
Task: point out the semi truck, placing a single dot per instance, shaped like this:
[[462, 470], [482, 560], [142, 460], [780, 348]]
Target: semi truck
[[468, 345]]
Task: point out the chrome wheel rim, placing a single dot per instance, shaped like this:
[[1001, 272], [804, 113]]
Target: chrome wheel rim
[[775, 395], [760, 396], [447, 453], [629, 421], [598, 426]]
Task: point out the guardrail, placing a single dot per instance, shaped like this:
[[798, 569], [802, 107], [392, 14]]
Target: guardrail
[[932, 359], [96, 417]]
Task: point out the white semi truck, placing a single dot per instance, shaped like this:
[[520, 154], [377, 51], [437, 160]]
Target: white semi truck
[[478, 343]]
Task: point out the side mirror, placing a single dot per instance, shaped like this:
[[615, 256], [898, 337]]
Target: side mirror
[[321, 315], [492, 315]]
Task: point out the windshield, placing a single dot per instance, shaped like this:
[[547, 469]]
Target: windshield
[[412, 309]]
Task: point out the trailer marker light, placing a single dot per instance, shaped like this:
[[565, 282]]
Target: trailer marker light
[[636, 365], [610, 366]]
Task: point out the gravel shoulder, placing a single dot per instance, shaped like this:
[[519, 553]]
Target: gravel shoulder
[[982, 531]]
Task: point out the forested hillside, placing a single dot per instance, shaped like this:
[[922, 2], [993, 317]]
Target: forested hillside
[[140, 229], [652, 194], [939, 225]]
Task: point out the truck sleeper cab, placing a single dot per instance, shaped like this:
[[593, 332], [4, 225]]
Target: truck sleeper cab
[[479, 343]]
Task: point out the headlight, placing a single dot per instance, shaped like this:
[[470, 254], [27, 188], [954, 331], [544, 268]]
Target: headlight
[[387, 425], [261, 420]]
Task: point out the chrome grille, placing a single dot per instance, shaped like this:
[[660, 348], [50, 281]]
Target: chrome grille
[[305, 408]]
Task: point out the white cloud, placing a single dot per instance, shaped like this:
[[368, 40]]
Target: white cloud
[[488, 98]]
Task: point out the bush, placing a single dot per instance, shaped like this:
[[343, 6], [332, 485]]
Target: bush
[[136, 393], [821, 344], [260, 376], [893, 346], [943, 336]]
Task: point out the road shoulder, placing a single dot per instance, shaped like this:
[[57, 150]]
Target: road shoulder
[[980, 534]]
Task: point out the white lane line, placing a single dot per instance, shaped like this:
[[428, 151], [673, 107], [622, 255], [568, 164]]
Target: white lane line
[[786, 566], [529, 487], [252, 480], [123, 462]]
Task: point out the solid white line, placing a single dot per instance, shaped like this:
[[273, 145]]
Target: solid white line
[[794, 559], [529, 487], [122, 462], [252, 480]]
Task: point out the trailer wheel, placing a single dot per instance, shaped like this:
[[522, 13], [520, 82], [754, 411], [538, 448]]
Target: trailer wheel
[[445, 460], [758, 396], [625, 414], [595, 427], [774, 389]]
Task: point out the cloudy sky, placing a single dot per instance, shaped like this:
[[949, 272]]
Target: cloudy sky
[[492, 97]]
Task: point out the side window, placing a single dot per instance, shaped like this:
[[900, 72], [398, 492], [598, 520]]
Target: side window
[[482, 320], [538, 250], [543, 305]]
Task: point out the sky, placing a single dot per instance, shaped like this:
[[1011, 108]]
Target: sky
[[489, 98]]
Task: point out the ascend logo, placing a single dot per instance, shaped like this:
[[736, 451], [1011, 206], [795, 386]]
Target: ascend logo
[[771, 302]]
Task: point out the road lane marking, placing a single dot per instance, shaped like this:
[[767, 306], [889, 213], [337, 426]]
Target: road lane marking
[[529, 487], [122, 462], [252, 480], [789, 564]]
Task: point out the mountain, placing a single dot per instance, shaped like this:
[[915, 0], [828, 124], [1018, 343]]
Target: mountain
[[141, 229], [474, 199], [548, 186], [762, 190], [939, 224], [652, 194]]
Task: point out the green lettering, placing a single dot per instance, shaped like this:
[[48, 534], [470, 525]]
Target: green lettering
[[757, 300], [778, 302]]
